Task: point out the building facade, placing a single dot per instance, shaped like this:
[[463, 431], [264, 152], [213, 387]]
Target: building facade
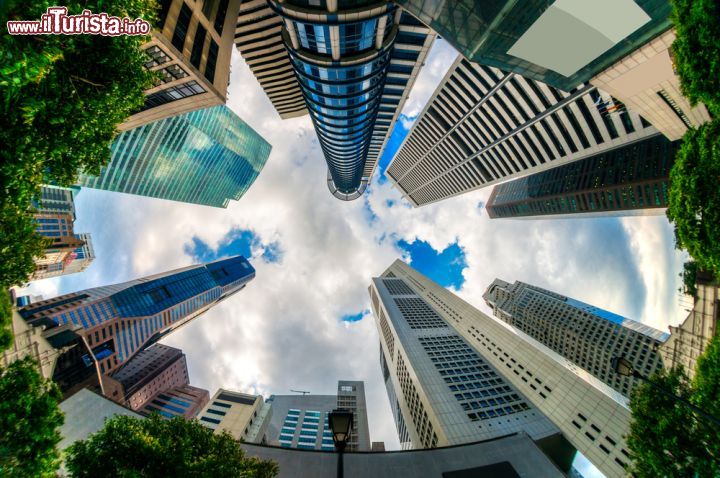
[[628, 180], [646, 82], [208, 156], [354, 65], [258, 38], [689, 339], [523, 37], [156, 379], [190, 49], [54, 219], [484, 126], [586, 335], [458, 373], [115, 322], [244, 416], [301, 421]]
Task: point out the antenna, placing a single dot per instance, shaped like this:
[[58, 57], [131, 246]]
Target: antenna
[[300, 391]]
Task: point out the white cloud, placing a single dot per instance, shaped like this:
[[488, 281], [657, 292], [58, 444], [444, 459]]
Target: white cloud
[[284, 330]]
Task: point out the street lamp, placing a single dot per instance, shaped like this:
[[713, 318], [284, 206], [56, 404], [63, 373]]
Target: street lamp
[[340, 425], [622, 366]]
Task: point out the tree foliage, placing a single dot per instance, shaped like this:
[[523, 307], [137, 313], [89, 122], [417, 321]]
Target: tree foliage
[[6, 335], [62, 99], [29, 421], [132, 447], [689, 277], [666, 438], [694, 196], [696, 50]]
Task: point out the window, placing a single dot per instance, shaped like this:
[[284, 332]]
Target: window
[[198, 44], [181, 28], [210, 66]]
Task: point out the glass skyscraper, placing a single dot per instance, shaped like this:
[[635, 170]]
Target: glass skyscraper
[[117, 321], [208, 157], [562, 43], [631, 179], [342, 52]]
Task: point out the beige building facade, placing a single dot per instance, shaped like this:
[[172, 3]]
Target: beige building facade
[[191, 50], [646, 82], [242, 415], [689, 340]]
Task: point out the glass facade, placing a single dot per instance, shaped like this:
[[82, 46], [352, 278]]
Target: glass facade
[[120, 320], [341, 60], [631, 177], [208, 157], [484, 31]]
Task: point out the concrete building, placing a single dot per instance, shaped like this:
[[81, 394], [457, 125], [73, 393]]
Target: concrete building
[[163, 159], [115, 322], [354, 65], [156, 379], [245, 417], [258, 38], [646, 82], [511, 456], [586, 335], [689, 340], [377, 446], [483, 126], [54, 218], [629, 180], [457, 375], [191, 48], [301, 421], [560, 42]]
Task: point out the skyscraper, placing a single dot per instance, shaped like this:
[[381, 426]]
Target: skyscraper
[[628, 180], [117, 321], [562, 43], [54, 218], [244, 416], [301, 421], [483, 126], [354, 62], [586, 335], [156, 380], [207, 156], [455, 375], [191, 48]]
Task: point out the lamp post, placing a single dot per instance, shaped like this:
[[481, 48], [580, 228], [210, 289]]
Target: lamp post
[[622, 366], [340, 425]]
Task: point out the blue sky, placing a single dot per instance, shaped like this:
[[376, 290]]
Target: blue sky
[[303, 322]]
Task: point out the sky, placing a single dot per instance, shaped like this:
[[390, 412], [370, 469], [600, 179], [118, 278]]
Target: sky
[[304, 322]]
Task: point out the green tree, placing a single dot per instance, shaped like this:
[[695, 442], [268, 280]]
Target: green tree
[[696, 50], [29, 421], [132, 447], [694, 196], [666, 438], [689, 277], [6, 335], [63, 97]]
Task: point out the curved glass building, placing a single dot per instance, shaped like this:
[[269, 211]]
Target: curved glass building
[[340, 51]]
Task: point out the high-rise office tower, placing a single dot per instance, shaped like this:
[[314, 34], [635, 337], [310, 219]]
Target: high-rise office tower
[[54, 217], [354, 63], [562, 43], [258, 38], [301, 421], [483, 126], [629, 180], [117, 321], [456, 375], [586, 335], [191, 48], [156, 380], [208, 156], [245, 417], [351, 397]]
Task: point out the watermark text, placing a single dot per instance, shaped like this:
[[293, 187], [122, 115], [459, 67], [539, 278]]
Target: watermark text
[[57, 22]]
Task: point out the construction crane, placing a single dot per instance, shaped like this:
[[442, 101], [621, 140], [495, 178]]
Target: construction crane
[[300, 391]]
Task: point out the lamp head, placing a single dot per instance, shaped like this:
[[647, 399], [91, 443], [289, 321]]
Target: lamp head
[[340, 425]]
